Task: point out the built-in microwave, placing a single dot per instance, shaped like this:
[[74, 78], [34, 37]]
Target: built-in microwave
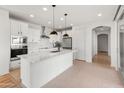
[[18, 40], [15, 40]]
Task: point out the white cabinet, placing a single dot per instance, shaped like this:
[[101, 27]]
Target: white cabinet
[[30, 35], [14, 64], [15, 27], [34, 35], [24, 29], [18, 28]]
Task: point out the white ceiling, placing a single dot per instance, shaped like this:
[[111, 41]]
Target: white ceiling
[[77, 14]]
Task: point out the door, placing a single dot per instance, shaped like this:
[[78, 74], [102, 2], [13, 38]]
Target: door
[[103, 43], [122, 51]]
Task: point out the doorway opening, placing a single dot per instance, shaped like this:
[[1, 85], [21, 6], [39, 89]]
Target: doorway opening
[[101, 45]]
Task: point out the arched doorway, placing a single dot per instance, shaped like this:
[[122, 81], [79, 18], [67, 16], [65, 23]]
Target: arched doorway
[[101, 45]]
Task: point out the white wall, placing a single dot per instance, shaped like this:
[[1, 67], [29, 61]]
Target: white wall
[[94, 43], [78, 42], [4, 42], [87, 38]]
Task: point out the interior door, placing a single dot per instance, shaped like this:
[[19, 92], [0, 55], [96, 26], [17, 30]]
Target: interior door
[[122, 51], [121, 46]]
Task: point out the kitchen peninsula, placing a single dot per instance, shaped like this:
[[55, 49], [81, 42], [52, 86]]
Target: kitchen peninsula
[[40, 67]]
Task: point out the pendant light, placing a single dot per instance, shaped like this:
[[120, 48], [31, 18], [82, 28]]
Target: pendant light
[[65, 35], [53, 32]]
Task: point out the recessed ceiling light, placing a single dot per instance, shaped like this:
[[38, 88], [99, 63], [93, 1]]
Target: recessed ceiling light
[[45, 9], [61, 19], [99, 14], [31, 15], [49, 22], [71, 24]]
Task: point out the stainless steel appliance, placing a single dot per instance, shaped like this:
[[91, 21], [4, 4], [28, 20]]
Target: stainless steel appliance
[[18, 40], [67, 43], [18, 46]]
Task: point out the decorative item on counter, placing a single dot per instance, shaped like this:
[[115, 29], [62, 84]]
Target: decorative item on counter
[[58, 45]]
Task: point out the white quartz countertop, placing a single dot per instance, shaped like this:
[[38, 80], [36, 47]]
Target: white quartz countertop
[[43, 55]]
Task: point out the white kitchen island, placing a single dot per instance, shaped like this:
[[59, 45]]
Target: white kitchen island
[[39, 68]]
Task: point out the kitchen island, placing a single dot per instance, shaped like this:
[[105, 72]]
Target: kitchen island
[[39, 68]]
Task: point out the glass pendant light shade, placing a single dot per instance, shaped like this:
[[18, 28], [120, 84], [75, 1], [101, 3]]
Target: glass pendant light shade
[[65, 35], [53, 32]]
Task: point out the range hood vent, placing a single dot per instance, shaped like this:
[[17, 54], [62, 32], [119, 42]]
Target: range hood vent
[[43, 35]]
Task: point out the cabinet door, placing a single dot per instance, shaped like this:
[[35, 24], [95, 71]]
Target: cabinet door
[[24, 29], [33, 35], [30, 35], [15, 64], [15, 27], [36, 35]]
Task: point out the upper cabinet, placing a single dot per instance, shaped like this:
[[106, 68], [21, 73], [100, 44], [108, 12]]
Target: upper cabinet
[[18, 28], [24, 29], [34, 35], [15, 27]]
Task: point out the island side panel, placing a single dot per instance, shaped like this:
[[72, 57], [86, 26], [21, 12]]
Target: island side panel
[[25, 73], [45, 70]]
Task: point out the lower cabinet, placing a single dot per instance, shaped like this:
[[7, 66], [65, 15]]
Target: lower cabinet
[[15, 60], [14, 64]]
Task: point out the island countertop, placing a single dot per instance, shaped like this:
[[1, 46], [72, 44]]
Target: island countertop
[[43, 55], [39, 67]]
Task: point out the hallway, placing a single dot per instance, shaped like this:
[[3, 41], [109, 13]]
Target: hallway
[[102, 58]]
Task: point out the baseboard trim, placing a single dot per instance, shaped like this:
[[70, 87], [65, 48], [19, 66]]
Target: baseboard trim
[[79, 60], [22, 85]]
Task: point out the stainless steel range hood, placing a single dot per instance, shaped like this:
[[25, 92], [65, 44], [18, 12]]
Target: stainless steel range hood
[[43, 35]]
